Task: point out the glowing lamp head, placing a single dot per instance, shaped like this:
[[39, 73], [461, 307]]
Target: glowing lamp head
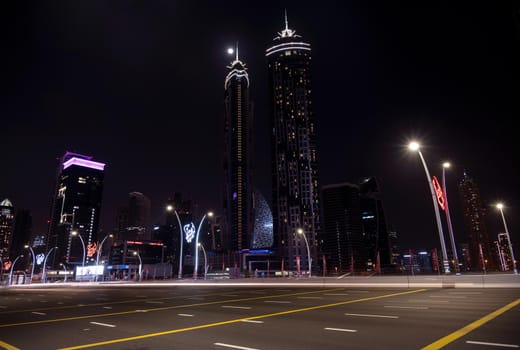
[[230, 51], [74, 233], [198, 244], [135, 253], [446, 165], [414, 146], [210, 214], [299, 231], [169, 207], [26, 246], [500, 206]]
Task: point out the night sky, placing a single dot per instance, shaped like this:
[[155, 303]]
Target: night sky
[[140, 87]]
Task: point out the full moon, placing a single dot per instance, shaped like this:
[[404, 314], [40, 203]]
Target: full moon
[[230, 51]]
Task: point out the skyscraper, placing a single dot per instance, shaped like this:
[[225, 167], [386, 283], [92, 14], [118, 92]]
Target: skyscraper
[[294, 156], [6, 228], [341, 240], [480, 249], [374, 223], [238, 192], [76, 206], [138, 219]]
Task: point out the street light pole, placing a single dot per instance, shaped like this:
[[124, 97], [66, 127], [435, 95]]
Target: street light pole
[[195, 269], [500, 206], [140, 264], [300, 232], [44, 274], [75, 233], [414, 146], [65, 270], [12, 268], [446, 165], [33, 261], [205, 260], [99, 253], [181, 241]]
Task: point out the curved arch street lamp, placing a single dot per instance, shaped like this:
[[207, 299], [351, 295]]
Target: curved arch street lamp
[[181, 242], [75, 233], [195, 269], [414, 146], [445, 166], [500, 206], [44, 274], [12, 268], [33, 261], [300, 232]]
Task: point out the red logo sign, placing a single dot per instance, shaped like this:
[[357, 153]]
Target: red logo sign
[[439, 193]]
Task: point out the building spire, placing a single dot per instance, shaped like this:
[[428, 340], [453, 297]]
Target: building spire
[[236, 51], [286, 21]]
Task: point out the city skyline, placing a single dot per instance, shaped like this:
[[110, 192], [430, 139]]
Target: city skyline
[[137, 93]]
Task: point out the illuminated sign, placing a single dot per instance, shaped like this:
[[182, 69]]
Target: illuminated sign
[[438, 193], [92, 270], [189, 232], [39, 258], [91, 249]]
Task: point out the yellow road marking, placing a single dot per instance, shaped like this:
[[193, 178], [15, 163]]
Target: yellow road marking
[[160, 308], [470, 327], [7, 346], [208, 325]]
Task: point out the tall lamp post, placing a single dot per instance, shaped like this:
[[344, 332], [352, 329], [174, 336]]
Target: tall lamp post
[[12, 268], [195, 269], [445, 166], [33, 261], [44, 274], [140, 264], [181, 241], [65, 270], [500, 206], [75, 233], [99, 250], [300, 232], [414, 146], [205, 259]]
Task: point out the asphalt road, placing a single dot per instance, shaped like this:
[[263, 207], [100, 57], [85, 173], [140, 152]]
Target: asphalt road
[[258, 317]]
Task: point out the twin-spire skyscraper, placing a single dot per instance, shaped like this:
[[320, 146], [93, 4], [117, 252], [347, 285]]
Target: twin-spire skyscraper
[[295, 191]]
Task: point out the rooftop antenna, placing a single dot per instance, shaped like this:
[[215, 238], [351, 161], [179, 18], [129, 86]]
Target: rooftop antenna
[[236, 51], [286, 22]]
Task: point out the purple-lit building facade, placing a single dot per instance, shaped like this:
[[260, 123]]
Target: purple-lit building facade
[[76, 207]]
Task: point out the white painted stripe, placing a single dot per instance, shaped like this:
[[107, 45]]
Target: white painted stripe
[[103, 324], [277, 301], [366, 315], [449, 296], [236, 307], [427, 301], [462, 293], [155, 302], [309, 297], [185, 315], [407, 307], [493, 344], [3, 307], [234, 346], [38, 313], [340, 329], [139, 310], [107, 307], [335, 294], [252, 321]]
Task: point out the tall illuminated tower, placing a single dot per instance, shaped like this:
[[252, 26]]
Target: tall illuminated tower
[[481, 255], [238, 197], [6, 228], [294, 155], [76, 206]]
